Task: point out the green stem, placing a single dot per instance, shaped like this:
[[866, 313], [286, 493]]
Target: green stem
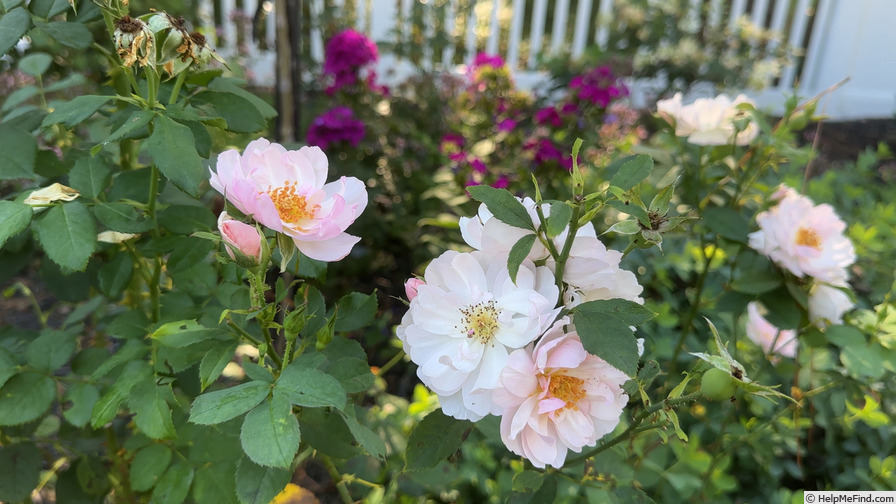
[[155, 305], [177, 85], [393, 361], [695, 304], [271, 350], [633, 427], [123, 489], [337, 478], [564, 254], [243, 333]]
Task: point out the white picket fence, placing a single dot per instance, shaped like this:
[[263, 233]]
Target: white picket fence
[[846, 39]]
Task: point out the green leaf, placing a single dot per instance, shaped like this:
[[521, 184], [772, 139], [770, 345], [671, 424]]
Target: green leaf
[[558, 220], [727, 223], [79, 400], [660, 202], [234, 87], [528, 481], [114, 276], [187, 253], [187, 219], [353, 373], [241, 114], [174, 486], [13, 26], [17, 97], [604, 328], [90, 176], [754, 274], [153, 415], [18, 152], [149, 465], [20, 465], [51, 350], [8, 365], [184, 333], [73, 112], [368, 439], [25, 397], [68, 33], [632, 172], [626, 227], [222, 405], [171, 147], [256, 484], [138, 120], [214, 361], [503, 205], [35, 64], [270, 435], [14, 218], [215, 483], [67, 233], [121, 217], [433, 440], [48, 8], [132, 351], [107, 407], [518, 254], [355, 311], [310, 387]]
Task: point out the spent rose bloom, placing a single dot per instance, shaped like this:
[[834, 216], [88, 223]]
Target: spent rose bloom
[[286, 191], [557, 397], [592, 271], [770, 338], [708, 121], [805, 238], [828, 303], [240, 237], [466, 319]]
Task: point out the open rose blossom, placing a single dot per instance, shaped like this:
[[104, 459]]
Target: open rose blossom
[[466, 319], [239, 236], [708, 121], [770, 338], [806, 239], [557, 397], [828, 303], [287, 191]]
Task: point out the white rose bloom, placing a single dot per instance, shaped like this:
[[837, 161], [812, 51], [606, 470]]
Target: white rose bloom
[[466, 319], [592, 271], [827, 304], [806, 239], [708, 121]]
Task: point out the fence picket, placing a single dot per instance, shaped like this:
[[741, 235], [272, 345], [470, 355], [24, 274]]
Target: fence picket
[[583, 15], [558, 30]]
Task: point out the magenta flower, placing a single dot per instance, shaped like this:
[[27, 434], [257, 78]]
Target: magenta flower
[[334, 126], [548, 116], [347, 54], [286, 191], [506, 125], [557, 397], [599, 86], [483, 59], [545, 151]]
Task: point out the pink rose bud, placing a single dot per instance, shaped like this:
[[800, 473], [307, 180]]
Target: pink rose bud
[[240, 237], [411, 286]]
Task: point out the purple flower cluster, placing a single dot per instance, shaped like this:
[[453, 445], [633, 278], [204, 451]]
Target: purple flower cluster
[[346, 55], [334, 126], [544, 151], [599, 86], [483, 59]]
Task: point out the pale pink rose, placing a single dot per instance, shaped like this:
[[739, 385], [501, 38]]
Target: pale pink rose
[[286, 191], [557, 397], [708, 121], [804, 238], [828, 303], [239, 236], [411, 286], [770, 338]]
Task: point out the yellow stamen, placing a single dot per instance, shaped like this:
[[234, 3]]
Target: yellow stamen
[[480, 321], [808, 238], [291, 206], [569, 389]]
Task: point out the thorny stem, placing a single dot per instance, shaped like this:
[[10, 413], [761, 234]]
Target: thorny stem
[[242, 332], [633, 427], [153, 286], [564, 254]]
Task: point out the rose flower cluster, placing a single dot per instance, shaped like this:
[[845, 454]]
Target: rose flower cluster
[[487, 345]]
